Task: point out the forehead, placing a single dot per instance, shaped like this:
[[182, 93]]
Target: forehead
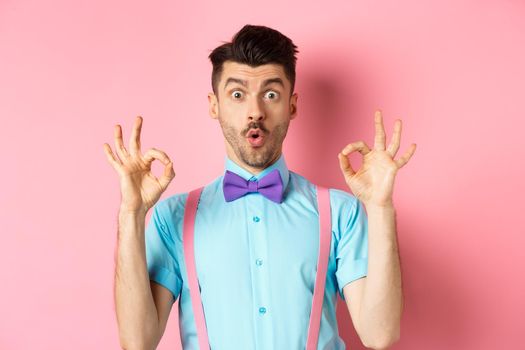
[[254, 75]]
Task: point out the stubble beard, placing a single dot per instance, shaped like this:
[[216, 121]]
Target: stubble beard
[[255, 157]]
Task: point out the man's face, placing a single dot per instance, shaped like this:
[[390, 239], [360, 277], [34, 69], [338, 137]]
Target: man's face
[[253, 100]]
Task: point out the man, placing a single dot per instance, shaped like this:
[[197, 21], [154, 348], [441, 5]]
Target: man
[[256, 257]]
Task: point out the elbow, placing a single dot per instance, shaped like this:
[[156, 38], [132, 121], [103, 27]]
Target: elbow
[[137, 344], [382, 343], [138, 339], [131, 346], [381, 346]]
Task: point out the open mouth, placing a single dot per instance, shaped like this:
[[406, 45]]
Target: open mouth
[[255, 137]]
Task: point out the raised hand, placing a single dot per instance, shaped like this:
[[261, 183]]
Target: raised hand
[[139, 188], [373, 183]]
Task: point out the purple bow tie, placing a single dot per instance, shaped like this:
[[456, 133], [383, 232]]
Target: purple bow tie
[[270, 186]]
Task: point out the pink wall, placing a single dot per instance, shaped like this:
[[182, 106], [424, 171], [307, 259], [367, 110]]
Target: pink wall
[[453, 71]]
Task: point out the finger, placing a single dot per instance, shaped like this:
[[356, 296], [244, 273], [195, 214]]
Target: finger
[[153, 154], [114, 161], [168, 175], [134, 140], [379, 141], [393, 147], [119, 145], [344, 163], [356, 146], [406, 157]]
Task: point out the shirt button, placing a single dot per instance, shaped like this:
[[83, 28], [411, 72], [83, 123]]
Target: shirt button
[[258, 262], [262, 310], [256, 219]]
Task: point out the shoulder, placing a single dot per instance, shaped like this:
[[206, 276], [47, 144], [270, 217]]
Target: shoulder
[[173, 205], [338, 198], [301, 186], [342, 199]]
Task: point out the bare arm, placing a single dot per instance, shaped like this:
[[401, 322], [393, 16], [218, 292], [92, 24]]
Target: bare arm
[[376, 302], [137, 316], [142, 306]]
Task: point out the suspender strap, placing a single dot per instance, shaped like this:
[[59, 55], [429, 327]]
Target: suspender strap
[[325, 234], [190, 212]]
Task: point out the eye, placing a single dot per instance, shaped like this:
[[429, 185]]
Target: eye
[[272, 95], [236, 94]]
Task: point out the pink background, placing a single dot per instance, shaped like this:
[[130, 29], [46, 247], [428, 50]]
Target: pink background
[[453, 71]]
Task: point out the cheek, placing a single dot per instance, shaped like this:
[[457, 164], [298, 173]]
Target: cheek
[[230, 124], [280, 107], [232, 111]]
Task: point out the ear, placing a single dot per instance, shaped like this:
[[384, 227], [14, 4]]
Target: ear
[[213, 105], [293, 105]]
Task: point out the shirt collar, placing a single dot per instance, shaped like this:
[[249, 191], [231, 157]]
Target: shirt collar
[[280, 164]]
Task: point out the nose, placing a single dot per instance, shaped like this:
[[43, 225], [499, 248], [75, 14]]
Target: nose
[[256, 110]]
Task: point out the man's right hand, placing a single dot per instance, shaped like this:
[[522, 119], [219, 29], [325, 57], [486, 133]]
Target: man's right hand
[[139, 188]]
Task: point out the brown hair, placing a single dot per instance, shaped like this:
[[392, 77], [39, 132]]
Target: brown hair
[[255, 45]]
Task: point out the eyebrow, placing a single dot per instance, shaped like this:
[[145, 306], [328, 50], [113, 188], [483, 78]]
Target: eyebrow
[[245, 83]]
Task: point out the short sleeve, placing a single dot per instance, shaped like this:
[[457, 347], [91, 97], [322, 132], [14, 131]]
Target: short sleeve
[[352, 247], [161, 256]]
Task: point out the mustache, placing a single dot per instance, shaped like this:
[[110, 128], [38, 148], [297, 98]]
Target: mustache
[[255, 125]]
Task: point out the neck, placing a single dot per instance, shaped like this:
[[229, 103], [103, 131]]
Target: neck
[[253, 170]]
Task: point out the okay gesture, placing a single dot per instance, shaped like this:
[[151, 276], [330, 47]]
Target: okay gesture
[[373, 183]]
